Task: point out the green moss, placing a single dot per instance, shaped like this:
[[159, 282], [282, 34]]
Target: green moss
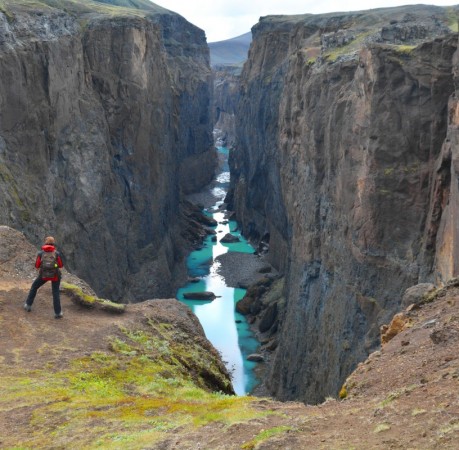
[[9, 15], [332, 54], [452, 19], [382, 427], [136, 8], [404, 49], [265, 435], [130, 397], [79, 297], [390, 398], [388, 171], [396, 394]]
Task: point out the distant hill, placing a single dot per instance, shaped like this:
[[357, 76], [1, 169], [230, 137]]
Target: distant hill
[[230, 51]]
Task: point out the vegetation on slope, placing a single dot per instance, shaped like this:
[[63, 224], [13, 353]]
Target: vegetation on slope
[[79, 7]]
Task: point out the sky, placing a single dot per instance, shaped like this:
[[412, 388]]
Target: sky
[[225, 19]]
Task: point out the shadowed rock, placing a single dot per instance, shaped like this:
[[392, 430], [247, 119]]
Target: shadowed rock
[[205, 295], [229, 239]]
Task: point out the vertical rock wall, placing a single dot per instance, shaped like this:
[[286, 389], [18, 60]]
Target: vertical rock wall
[[347, 168], [103, 123], [225, 102]]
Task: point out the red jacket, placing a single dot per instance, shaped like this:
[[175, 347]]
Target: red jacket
[[60, 264]]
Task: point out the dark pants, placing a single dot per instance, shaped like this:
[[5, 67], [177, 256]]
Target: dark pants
[[38, 283]]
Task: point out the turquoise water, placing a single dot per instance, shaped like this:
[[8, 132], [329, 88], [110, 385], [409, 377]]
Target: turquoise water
[[224, 327]]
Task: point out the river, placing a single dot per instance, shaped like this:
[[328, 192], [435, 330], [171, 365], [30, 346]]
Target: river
[[228, 330]]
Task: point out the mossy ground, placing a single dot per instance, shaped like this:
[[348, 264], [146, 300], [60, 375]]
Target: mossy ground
[[138, 8], [107, 399], [79, 297], [152, 379]]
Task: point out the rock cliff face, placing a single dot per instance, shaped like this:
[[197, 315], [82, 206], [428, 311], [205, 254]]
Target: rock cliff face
[[345, 162], [227, 58], [225, 101], [104, 121]]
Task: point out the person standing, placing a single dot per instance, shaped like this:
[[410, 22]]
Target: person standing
[[48, 263]]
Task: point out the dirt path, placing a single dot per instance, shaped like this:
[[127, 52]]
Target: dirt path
[[33, 339]]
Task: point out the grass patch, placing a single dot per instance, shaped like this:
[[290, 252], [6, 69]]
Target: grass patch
[[382, 427], [80, 8], [265, 435], [453, 19], [418, 412], [404, 49], [77, 296], [332, 54], [129, 397]]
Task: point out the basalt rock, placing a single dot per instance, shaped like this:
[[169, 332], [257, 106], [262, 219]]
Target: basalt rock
[[229, 238], [206, 296], [225, 101], [104, 122], [345, 158]]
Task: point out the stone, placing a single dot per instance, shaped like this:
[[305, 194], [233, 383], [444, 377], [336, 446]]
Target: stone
[[243, 306], [205, 295], [229, 239], [265, 269], [271, 345], [429, 323], [399, 323], [416, 294], [255, 357]]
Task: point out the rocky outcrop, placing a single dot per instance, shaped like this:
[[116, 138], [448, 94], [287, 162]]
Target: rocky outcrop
[[344, 162], [104, 123]]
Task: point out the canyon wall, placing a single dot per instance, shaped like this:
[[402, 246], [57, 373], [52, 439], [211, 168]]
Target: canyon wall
[[104, 123], [225, 103], [346, 163]]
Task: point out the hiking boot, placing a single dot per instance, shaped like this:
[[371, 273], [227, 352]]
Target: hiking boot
[[59, 316], [27, 307]]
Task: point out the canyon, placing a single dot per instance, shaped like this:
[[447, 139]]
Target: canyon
[[344, 141]]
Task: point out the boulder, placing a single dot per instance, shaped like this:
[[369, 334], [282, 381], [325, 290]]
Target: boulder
[[194, 279], [399, 323], [265, 269], [255, 357], [205, 295], [229, 239], [416, 294], [243, 306]]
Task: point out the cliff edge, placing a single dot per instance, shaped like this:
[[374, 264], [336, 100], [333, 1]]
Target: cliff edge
[[148, 378]]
